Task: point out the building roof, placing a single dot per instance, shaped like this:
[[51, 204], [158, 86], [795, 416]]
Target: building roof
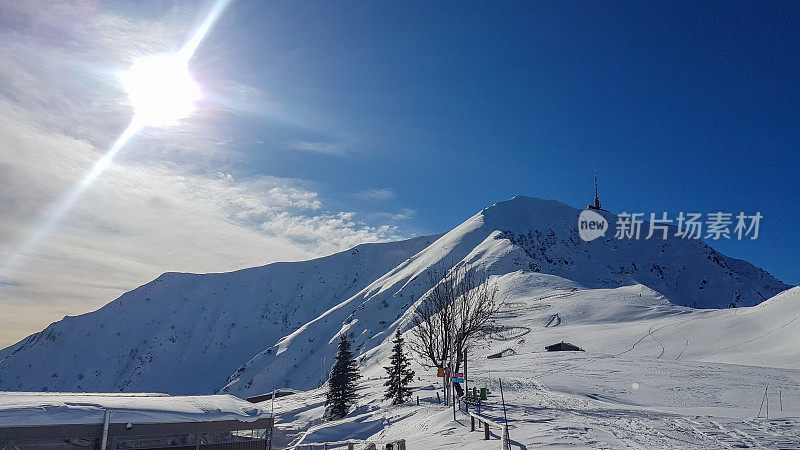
[[563, 346], [60, 408]]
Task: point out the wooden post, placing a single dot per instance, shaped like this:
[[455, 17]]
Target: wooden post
[[438, 399], [418, 400], [485, 431], [472, 426]]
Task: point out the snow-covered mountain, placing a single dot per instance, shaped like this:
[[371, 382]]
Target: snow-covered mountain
[[507, 241], [186, 333], [249, 331]]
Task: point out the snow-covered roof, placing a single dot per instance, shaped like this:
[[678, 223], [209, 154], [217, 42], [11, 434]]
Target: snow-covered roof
[[59, 408]]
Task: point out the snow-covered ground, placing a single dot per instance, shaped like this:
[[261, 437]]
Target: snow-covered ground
[[647, 379]]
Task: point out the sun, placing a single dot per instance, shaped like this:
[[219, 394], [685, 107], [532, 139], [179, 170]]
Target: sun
[[160, 89]]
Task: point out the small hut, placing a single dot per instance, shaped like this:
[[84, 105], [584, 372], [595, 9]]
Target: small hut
[[563, 347]]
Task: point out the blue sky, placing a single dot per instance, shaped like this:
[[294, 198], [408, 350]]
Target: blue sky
[[326, 124], [453, 107]]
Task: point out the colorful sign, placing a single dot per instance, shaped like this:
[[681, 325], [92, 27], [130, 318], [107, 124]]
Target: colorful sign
[[458, 380]]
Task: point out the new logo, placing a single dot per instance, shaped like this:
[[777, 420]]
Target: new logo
[[591, 225]]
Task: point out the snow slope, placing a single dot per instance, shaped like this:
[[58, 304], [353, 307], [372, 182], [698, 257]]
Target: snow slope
[[646, 379], [187, 333]]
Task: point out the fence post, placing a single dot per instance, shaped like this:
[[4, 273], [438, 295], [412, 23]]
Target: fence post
[[504, 444], [485, 431], [472, 426]]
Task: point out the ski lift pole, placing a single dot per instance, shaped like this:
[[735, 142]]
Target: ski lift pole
[[454, 401], [505, 416], [452, 374], [452, 384]]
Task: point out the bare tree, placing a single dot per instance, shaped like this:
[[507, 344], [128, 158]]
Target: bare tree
[[475, 313], [459, 308]]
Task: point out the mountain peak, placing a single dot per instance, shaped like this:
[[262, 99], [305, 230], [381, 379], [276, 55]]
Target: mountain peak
[[526, 212]]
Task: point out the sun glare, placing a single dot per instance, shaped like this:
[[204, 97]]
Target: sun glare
[[161, 90]]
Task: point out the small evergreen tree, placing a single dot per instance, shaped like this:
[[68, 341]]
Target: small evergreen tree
[[342, 383], [400, 373]]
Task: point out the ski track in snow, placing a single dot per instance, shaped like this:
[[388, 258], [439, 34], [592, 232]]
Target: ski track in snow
[[749, 340], [663, 349], [685, 346]]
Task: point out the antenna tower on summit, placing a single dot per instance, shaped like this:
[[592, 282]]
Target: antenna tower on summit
[[596, 204]]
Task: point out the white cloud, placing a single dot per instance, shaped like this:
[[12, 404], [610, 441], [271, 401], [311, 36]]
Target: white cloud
[[376, 194], [403, 214], [171, 201], [325, 148]]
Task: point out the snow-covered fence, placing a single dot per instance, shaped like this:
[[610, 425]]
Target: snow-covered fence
[[399, 444], [485, 422]]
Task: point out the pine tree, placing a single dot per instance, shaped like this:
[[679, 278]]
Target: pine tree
[[400, 374], [342, 383]]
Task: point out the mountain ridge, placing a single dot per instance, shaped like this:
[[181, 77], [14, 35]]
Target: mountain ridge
[[245, 331]]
